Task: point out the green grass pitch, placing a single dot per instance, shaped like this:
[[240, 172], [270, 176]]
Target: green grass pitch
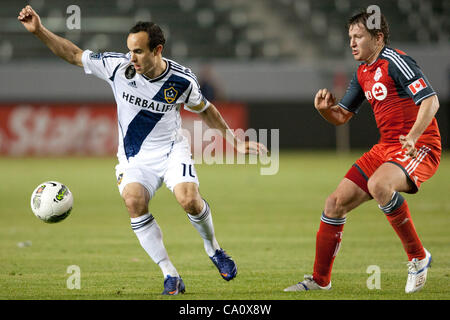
[[266, 223]]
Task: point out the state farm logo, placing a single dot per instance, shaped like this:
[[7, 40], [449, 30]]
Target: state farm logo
[[58, 129], [379, 91]]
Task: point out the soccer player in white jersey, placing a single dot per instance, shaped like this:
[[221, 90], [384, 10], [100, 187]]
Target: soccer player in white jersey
[[149, 91]]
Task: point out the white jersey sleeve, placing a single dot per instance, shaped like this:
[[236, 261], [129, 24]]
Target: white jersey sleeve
[[102, 65], [195, 101]]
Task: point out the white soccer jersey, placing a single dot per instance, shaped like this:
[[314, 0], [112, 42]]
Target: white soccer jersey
[[148, 110]]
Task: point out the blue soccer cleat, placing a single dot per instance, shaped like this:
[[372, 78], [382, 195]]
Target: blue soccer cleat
[[226, 266], [173, 286]]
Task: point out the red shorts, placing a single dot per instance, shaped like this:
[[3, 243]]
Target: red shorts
[[417, 170]]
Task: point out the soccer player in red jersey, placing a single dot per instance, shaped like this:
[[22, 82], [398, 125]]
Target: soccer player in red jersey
[[407, 154]]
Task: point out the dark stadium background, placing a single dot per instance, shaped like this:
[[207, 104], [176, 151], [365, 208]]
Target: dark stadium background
[[270, 56]]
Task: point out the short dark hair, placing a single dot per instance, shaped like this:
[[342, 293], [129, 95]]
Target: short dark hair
[[362, 18], [155, 34]]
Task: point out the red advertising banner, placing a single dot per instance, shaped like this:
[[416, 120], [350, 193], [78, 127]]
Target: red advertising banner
[[58, 129], [43, 129]]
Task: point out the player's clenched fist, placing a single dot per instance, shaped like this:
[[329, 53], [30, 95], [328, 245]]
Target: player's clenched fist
[[30, 19], [324, 99]]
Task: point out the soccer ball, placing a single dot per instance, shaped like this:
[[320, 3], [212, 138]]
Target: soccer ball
[[51, 201]]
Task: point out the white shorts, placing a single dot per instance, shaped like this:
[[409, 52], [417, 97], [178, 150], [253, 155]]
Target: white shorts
[[171, 165]]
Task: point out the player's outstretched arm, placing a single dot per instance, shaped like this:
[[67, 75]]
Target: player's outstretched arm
[[325, 103], [61, 47], [212, 117]]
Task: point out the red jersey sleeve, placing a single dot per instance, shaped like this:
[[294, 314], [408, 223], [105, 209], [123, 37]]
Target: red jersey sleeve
[[408, 76]]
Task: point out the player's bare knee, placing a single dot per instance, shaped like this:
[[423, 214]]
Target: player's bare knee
[[379, 189], [335, 207], [191, 204], [189, 198], [135, 204], [136, 199]]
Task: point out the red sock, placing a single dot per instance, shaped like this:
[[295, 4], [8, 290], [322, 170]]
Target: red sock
[[328, 240], [400, 220]]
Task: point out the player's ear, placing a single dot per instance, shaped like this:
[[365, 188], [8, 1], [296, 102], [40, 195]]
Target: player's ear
[[380, 37], [158, 49]]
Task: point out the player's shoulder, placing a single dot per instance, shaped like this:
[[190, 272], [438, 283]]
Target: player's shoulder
[[107, 55], [399, 62], [110, 54], [389, 53], [181, 71], [122, 57]]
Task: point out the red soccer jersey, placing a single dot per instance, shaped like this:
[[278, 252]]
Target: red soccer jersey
[[395, 86]]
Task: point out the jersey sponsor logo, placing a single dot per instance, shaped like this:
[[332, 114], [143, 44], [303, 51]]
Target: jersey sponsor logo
[[170, 94], [148, 104], [378, 74], [417, 86], [379, 91]]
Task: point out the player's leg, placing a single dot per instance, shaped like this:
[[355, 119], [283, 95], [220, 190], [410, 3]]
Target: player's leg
[[199, 214], [385, 185], [181, 178], [136, 198], [345, 198], [144, 225], [350, 193]]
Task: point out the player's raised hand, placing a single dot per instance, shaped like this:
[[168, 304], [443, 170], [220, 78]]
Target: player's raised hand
[[409, 145], [30, 19], [251, 147], [324, 99]]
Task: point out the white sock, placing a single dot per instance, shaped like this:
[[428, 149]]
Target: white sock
[[150, 236], [204, 224]]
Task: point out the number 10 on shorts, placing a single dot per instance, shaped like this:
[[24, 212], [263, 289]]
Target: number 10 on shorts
[[187, 168]]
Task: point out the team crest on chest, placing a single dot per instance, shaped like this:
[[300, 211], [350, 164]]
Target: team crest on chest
[[378, 74], [170, 94], [379, 91]]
